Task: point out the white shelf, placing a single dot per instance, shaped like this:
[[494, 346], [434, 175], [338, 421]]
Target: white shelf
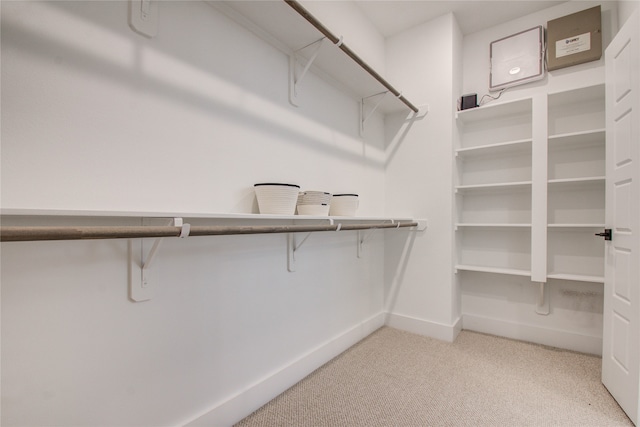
[[575, 225], [576, 277], [283, 27], [482, 269], [520, 185], [584, 181], [509, 147], [498, 110], [490, 225], [147, 214], [578, 139]]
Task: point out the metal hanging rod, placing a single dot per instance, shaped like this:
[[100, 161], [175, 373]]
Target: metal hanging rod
[[38, 233], [338, 42]]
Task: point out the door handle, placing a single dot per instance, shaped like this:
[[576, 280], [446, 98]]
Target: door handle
[[606, 234]]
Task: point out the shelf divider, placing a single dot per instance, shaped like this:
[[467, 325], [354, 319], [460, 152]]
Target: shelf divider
[[539, 199]]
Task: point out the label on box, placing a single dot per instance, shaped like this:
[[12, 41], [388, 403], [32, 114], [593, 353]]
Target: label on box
[[575, 44]]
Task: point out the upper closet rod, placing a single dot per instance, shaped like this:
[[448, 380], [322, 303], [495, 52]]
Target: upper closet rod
[[36, 233], [313, 21]]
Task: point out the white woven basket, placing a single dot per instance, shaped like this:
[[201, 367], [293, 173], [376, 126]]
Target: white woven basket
[[276, 198]]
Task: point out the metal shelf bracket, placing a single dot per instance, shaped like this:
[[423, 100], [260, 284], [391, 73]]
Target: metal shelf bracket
[[141, 276], [294, 78]]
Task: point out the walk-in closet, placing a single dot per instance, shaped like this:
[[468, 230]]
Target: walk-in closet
[[301, 212]]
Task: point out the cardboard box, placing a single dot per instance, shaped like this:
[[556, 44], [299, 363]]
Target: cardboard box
[[574, 39]]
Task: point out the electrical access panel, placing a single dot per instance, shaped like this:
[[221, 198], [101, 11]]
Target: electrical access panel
[[574, 39], [517, 59]]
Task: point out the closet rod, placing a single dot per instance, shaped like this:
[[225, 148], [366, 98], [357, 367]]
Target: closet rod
[[37, 233], [324, 30]]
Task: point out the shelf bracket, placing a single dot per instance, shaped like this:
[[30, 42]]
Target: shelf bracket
[[292, 247], [423, 223], [363, 235], [294, 78], [143, 17], [363, 116], [543, 307], [141, 275]]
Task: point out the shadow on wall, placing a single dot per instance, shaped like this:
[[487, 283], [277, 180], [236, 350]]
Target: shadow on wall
[[396, 262], [193, 66], [397, 127]]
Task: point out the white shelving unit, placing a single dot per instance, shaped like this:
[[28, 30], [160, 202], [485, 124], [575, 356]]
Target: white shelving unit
[[576, 185], [493, 188], [530, 187]]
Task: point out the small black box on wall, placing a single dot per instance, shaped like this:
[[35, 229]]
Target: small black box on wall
[[469, 101]]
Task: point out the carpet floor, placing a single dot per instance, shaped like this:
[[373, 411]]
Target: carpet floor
[[396, 378]]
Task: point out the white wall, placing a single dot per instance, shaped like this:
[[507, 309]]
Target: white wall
[[98, 117], [157, 108], [625, 9], [421, 295], [344, 19], [505, 305]]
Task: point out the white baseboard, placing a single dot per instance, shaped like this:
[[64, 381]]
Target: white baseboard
[[427, 328], [536, 334], [237, 407]]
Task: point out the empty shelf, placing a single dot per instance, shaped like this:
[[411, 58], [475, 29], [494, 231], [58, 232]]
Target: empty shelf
[[497, 270]]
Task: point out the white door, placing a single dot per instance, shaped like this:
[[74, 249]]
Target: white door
[[621, 334]]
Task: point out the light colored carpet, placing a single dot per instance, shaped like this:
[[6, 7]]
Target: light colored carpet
[[395, 378]]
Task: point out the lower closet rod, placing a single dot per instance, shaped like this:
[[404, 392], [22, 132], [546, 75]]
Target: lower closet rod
[[36, 233]]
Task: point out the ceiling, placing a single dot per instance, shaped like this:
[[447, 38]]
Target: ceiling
[[392, 17]]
